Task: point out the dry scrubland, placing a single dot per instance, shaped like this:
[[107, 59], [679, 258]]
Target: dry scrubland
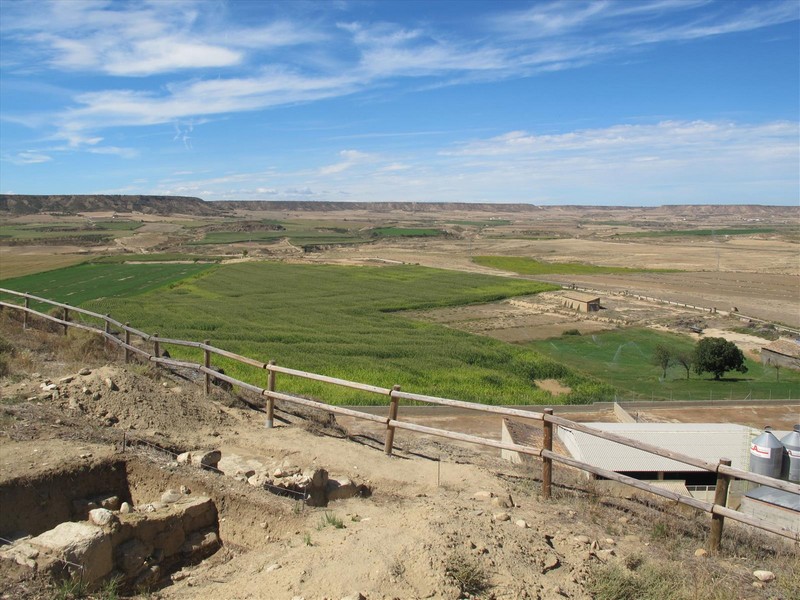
[[423, 532]]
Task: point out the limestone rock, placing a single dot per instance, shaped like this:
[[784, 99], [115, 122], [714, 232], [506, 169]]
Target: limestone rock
[[206, 458], [131, 556], [110, 502], [340, 489], [483, 495], [171, 496], [521, 523], [80, 543], [102, 517], [125, 508], [85, 371], [700, 553], [109, 383], [582, 539], [764, 576], [502, 516]]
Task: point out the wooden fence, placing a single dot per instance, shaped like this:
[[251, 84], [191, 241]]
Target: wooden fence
[[724, 472]]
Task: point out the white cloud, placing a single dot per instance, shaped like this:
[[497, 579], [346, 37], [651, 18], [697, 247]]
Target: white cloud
[[351, 159], [29, 158]]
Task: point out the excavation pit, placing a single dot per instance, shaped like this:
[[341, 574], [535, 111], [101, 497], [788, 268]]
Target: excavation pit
[[133, 520]]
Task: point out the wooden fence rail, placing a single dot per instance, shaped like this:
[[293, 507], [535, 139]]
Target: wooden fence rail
[[725, 473]]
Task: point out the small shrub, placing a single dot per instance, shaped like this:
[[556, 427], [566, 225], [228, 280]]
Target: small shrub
[[307, 539], [468, 574], [4, 368], [647, 583], [6, 347], [330, 519], [571, 332]]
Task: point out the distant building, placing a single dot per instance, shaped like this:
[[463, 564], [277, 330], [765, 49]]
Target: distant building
[[782, 353], [580, 301]]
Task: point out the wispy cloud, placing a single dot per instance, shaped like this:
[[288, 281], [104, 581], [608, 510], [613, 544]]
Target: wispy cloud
[[28, 158], [351, 158]]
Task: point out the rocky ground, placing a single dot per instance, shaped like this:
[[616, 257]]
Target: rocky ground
[[434, 521]]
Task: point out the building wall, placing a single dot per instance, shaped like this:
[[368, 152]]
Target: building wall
[[768, 357]]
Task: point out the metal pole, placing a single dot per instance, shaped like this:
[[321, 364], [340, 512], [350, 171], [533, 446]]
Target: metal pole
[[127, 343], [270, 400], [720, 499], [25, 314], [156, 349], [394, 403], [547, 463], [66, 318]]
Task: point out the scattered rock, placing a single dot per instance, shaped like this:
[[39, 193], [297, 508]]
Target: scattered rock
[[67, 379], [521, 523], [271, 568], [483, 495], [102, 517], [85, 371], [764, 576], [623, 520], [125, 508], [700, 552], [550, 563], [171, 496], [582, 539], [109, 383], [502, 516], [356, 596], [499, 502]]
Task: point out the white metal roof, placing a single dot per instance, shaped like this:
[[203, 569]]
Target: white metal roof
[[705, 441]]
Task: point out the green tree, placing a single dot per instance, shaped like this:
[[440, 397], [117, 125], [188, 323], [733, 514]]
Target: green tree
[[662, 357], [718, 355], [684, 358]]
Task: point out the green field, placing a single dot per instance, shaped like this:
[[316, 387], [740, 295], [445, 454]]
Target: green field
[[405, 232], [345, 322], [116, 259], [530, 266], [622, 358], [81, 232], [81, 283], [701, 232]]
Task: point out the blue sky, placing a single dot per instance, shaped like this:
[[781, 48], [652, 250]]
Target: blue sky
[[579, 102]]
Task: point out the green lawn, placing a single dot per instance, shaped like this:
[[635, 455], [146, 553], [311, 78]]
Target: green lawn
[[530, 266], [622, 358]]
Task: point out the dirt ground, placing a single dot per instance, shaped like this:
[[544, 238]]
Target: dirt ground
[[439, 514]]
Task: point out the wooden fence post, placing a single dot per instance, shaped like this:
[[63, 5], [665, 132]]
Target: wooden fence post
[[207, 364], [66, 318], [270, 423], [156, 349], [547, 463], [721, 499], [25, 314], [127, 343], [394, 403]]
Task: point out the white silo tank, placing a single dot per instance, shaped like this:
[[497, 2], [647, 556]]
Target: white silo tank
[[791, 462], [766, 454]]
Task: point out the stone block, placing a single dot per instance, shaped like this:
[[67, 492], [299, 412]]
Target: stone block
[[79, 543]]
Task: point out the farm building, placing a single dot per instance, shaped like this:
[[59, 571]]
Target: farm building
[[781, 353], [580, 301]]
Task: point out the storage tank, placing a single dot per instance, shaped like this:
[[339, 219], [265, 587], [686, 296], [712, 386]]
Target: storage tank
[[791, 462], [766, 454]]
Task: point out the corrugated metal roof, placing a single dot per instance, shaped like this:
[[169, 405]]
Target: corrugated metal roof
[[706, 441], [785, 347], [776, 497]]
